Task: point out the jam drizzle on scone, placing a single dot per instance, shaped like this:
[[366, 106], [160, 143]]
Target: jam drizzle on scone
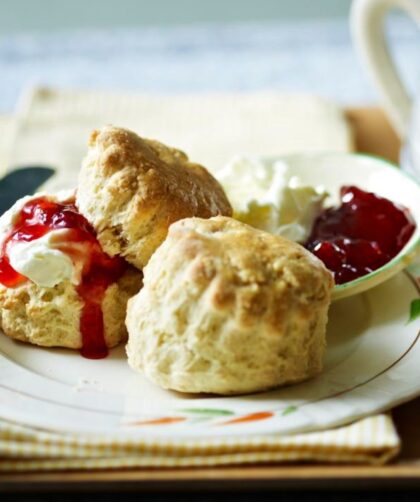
[[40, 216]]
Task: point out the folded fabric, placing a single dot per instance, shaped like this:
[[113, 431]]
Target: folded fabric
[[53, 126], [7, 134], [371, 440]]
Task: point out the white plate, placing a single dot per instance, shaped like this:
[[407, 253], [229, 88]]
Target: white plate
[[372, 363]]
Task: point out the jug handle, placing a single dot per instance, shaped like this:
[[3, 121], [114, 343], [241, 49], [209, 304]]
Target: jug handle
[[367, 20]]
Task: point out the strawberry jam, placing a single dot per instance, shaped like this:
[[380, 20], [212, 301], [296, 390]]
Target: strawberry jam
[[362, 234], [98, 271]]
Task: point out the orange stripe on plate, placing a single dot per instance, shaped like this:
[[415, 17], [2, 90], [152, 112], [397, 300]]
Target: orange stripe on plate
[[252, 417], [160, 421]]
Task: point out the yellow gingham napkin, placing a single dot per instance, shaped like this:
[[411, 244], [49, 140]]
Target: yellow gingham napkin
[[372, 440], [51, 127]]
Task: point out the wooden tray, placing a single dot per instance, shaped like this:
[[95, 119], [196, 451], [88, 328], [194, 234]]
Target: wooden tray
[[373, 135]]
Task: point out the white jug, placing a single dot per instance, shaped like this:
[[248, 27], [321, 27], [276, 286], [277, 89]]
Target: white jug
[[367, 26]]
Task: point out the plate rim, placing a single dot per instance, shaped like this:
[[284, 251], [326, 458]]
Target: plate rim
[[124, 427]]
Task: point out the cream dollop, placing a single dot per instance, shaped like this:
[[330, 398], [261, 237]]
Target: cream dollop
[[267, 196], [41, 260]]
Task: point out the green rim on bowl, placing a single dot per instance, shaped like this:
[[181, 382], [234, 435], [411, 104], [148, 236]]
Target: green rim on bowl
[[407, 254]]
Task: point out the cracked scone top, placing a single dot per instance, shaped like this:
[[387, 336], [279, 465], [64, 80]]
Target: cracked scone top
[[131, 189], [228, 309]]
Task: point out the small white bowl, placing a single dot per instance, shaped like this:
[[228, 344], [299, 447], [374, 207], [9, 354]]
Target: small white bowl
[[374, 174]]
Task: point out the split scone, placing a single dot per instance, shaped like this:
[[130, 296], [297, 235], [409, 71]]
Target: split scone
[[131, 189], [57, 287], [228, 309]]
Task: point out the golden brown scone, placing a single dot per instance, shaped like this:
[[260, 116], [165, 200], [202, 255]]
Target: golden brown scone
[[131, 189], [51, 316], [228, 309]]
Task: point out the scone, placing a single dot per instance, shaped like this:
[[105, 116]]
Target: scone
[[228, 309], [57, 287], [131, 189]]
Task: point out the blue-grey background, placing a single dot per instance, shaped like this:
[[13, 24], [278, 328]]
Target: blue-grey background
[[18, 15], [174, 46]]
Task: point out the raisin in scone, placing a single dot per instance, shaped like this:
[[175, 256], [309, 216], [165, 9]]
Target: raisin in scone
[[57, 287], [228, 309], [131, 189]]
